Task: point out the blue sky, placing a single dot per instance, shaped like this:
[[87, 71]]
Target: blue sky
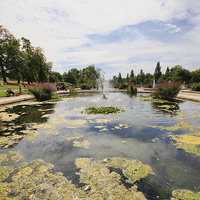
[[114, 35]]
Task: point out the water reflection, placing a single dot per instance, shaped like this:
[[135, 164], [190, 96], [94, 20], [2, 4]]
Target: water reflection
[[123, 135]]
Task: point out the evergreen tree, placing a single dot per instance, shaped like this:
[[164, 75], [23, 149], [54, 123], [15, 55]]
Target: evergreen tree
[[157, 73]]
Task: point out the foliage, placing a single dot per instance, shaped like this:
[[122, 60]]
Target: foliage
[[132, 89], [55, 98], [72, 91], [57, 76], [190, 85], [41, 91], [196, 87], [25, 63], [122, 86], [85, 87], [157, 73], [166, 91], [195, 76], [103, 110]]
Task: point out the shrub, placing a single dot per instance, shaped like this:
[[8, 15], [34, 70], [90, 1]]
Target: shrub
[[149, 85], [190, 85], [72, 91], [41, 91], [196, 87], [86, 87], [166, 91], [123, 86], [132, 90]]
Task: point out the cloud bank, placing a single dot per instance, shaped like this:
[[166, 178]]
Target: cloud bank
[[115, 35]]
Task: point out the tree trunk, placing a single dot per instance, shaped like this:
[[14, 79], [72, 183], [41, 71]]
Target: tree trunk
[[3, 71]]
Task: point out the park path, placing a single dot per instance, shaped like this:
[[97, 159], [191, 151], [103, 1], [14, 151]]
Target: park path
[[183, 94]]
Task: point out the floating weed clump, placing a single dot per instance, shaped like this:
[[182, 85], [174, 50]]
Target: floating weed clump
[[84, 144], [184, 194], [72, 138], [7, 141], [35, 180], [8, 116], [104, 184], [189, 142], [103, 110]]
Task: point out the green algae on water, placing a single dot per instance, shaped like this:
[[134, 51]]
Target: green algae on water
[[84, 144], [103, 110], [185, 195], [97, 177]]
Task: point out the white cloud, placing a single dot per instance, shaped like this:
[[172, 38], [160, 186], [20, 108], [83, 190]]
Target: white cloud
[[61, 28]]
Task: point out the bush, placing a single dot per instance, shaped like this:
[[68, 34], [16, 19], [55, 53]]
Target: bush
[[86, 87], [166, 91], [196, 87], [41, 91], [149, 85], [72, 91], [132, 90], [123, 86], [190, 85]]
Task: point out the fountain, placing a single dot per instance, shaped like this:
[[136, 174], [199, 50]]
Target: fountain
[[102, 84]]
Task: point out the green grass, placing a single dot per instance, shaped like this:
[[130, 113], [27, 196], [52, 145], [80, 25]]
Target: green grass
[[13, 86], [3, 92]]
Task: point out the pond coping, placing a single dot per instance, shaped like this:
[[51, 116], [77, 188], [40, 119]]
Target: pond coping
[[183, 94]]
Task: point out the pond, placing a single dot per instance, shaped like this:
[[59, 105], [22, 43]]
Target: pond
[[96, 154]]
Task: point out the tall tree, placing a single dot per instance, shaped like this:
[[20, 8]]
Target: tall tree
[[142, 76], [41, 66], [30, 72], [157, 73], [120, 78], [195, 76], [9, 47]]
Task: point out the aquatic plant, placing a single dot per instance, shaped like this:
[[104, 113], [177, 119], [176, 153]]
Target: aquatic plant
[[132, 89], [72, 91], [102, 183], [184, 194], [41, 91], [103, 110], [166, 91]]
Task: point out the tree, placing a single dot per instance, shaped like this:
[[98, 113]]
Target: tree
[[30, 72], [57, 76], [195, 76], [36, 68], [41, 66], [157, 73], [148, 78], [9, 48], [179, 74], [142, 76], [131, 79], [120, 78]]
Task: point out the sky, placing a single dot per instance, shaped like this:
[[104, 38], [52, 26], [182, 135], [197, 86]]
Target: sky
[[114, 35]]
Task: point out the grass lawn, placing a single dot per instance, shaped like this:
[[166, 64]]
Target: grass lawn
[[13, 86]]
